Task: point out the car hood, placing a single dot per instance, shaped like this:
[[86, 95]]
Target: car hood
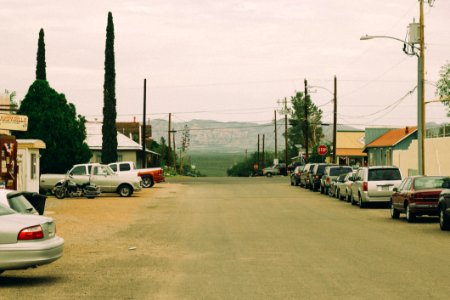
[[11, 225]]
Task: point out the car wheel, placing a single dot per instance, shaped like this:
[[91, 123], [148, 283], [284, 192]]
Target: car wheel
[[60, 192], [338, 194], [360, 202], [292, 183], [269, 174], [410, 216], [297, 183], [395, 214], [147, 182], [125, 190], [444, 221], [321, 190], [352, 199]]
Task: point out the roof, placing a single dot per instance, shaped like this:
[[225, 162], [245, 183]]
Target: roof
[[392, 137], [94, 139], [350, 152], [30, 143]]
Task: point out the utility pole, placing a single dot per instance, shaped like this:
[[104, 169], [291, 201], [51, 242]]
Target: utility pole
[[174, 151], [168, 141], [263, 161], [334, 120], [275, 117], [285, 133], [258, 153], [144, 156], [421, 130], [306, 121]]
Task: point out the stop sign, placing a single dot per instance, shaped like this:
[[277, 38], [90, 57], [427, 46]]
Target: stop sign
[[322, 150]]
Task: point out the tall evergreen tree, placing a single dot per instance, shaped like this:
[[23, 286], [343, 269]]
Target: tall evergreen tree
[[41, 65], [109, 131]]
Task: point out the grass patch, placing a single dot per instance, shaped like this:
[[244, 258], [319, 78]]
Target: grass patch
[[214, 164]]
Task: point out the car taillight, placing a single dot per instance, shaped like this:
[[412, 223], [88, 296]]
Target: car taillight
[[31, 233], [365, 186]]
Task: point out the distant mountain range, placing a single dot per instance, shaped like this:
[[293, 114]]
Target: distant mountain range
[[229, 137]]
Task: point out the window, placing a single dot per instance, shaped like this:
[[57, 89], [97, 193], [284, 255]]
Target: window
[[79, 170], [384, 174], [113, 167], [388, 157], [33, 166], [124, 167]]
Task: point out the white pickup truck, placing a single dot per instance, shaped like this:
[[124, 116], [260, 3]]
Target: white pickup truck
[[101, 175], [149, 175]]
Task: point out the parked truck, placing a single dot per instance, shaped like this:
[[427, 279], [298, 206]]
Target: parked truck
[[149, 175], [101, 175]]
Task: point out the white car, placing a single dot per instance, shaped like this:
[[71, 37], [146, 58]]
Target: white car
[[27, 240]]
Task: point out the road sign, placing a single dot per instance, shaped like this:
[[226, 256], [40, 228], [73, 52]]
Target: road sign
[[322, 150], [13, 122]]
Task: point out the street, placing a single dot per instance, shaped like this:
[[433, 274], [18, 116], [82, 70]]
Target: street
[[235, 238]]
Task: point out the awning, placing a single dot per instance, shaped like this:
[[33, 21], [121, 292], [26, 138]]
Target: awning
[[350, 152]]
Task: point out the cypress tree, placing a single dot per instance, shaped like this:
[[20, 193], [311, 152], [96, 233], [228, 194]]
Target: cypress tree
[[109, 131], [41, 65]]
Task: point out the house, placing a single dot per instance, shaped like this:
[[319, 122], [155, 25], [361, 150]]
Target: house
[[127, 149], [349, 146], [380, 149], [28, 163]]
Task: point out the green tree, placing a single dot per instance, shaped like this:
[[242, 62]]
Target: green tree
[[297, 120], [443, 84], [41, 65], [52, 119], [109, 130]]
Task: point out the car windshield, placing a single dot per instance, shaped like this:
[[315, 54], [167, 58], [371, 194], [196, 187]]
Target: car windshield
[[425, 183], [339, 171], [20, 204], [384, 174], [5, 210]]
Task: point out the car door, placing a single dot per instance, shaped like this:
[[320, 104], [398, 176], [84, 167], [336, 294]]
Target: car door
[[102, 178], [80, 174], [402, 194]]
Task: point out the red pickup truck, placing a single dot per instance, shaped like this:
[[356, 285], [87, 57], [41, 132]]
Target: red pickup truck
[[149, 175]]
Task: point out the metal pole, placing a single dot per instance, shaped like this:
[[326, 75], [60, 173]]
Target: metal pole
[[335, 120], [144, 157], [258, 153], [263, 158], [285, 133]]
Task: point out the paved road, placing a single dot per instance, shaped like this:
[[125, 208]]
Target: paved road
[[237, 238]]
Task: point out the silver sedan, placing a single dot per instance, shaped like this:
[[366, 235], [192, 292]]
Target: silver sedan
[[27, 240]]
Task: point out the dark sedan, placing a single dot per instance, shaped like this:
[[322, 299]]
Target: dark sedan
[[417, 196]]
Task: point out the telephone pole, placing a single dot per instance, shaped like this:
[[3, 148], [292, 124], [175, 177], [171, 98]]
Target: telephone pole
[[285, 133], [144, 156], [275, 116], [168, 141], [335, 120], [174, 151], [263, 161], [258, 153], [306, 121]]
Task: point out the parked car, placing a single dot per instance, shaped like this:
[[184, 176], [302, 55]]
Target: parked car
[[374, 184], [330, 174], [23, 202], [295, 175], [278, 169], [27, 240], [149, 175], [101, 175], [444, 208], [417, 196], [304, 176], [344, 186], [316, 174]]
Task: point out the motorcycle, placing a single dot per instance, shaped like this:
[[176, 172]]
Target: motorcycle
[[68, 188]]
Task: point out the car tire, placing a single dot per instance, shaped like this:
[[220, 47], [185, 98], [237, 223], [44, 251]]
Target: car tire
[[338, 194], [444, 221], [361, 204], [125, 190], [292, 183], [297, 183], [322, 190], [410, 216], [147, 181], [395, 213], [269, 174], [352, 199]]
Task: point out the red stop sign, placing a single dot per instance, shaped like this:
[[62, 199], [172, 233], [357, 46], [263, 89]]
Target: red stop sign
[[322, 150]]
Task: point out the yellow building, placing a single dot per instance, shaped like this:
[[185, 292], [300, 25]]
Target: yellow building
[[349, 146]]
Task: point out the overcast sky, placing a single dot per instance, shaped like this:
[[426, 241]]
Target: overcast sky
[[228, 60]]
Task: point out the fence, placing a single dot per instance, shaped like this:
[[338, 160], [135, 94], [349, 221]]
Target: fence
[[441, 131]]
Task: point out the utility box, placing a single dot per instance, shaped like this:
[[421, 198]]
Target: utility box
[[414, 33]]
